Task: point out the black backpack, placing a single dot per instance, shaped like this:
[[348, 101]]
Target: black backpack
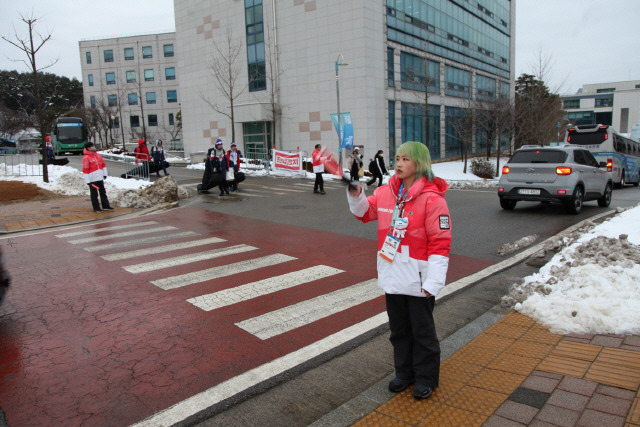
[[373, 166]]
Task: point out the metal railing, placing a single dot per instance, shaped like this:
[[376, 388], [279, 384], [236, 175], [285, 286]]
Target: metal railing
[[20, 165], [136, 170], [257, 158]]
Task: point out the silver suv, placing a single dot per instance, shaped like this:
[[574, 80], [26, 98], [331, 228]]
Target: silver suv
[[566, 174]]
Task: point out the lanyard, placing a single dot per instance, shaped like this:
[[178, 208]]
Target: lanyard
[[399, 207]]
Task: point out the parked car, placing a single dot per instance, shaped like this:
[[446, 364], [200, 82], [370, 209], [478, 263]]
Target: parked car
[[568, 174]]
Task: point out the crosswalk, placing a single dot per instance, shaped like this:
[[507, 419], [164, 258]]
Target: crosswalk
[[257, 191], [129, 244]]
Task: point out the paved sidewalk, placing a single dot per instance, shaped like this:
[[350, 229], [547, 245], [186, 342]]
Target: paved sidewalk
[[30, 215], [516, 373]]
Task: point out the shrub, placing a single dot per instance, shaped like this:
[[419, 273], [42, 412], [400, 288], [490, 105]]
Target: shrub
[[482, 168]]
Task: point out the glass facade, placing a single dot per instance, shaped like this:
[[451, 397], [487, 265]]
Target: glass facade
[[412, 73], [485, 88], [257, 136], [414, 126], [571, 103], [390, 73], [457, 82], [474, 33], [452, 142], [255, 45], [392, 132]]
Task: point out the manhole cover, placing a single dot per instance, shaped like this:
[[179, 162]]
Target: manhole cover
[[293, 207]]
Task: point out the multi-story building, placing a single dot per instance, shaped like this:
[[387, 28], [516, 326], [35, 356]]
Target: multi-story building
[[615, 104], [288, 58], [132, 82]]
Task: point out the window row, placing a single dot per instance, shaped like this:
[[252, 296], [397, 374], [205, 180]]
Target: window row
[[134, 121], [129, 54], [130, 75], [132, 98]]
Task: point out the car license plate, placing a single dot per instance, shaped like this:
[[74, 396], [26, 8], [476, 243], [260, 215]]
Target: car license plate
[[529, 191]]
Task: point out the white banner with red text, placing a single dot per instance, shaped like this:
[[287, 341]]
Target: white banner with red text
[[283, 161]]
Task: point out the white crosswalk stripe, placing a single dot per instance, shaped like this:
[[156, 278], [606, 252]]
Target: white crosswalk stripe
[[294, 316], [221, 271], [162, 249], [263, 287], [125, 234], [112, 228], [187, 259], [129, 243]]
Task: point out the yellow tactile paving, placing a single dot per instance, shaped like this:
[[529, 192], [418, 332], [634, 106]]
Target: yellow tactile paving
[[515, 318], [576, 350], [530, 349], [459, 371], [492, 341], [565, 366], [407, 409], [376, 419], [447, 415], [616, 367], [478, 400], [542, 335], [506, 330], [634, 413], [476, 355], [498, 381], [514, 363]]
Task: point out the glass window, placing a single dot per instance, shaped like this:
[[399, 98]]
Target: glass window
[[485, 88], [111, 78], [90, 79], [390, 72], [171, 120], [504, 90], [116, 122], [92, 101], [134, 121], [152, 119], [606, 90], [112, 100], [170, 73], [457, 82], [454, 128], [571, 103], [392, 132], [147, 52], [414, 127], [108, 56], [88, 57], [604, 102], [128, 53], [133, 98], [257, 136], [131, 76], [412, 73], [168, 50], [255, 45], [151, 97], [172, 96], [148, 75]]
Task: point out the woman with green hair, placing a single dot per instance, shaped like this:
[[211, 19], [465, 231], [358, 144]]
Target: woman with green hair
[[414, 241]]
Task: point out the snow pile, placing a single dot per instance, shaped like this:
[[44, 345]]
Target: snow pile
[[592, 285], [509, 248]]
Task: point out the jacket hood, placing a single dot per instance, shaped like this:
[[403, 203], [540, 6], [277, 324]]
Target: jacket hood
[[423, 185], [141, 141], [85, 152]]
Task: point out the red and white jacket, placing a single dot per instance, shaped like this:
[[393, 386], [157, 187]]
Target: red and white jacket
[[318, 161], [93, 167], [422, 259]]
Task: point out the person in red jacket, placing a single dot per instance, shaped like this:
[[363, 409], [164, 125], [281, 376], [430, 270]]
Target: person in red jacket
[[142, 151], [318, 168], [95, 172], [414, 241]]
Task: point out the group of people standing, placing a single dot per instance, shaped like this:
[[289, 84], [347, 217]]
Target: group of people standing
[[157, 155], [222, 169]]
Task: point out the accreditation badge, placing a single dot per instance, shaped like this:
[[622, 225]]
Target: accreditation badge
[[389, 248]]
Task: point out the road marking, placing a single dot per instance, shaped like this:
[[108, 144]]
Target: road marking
[[187, 259], [134, 242], [126, 234], [161, 249], [236, 385], [114, 227], [263, 287], [294, 316], [221, 271]]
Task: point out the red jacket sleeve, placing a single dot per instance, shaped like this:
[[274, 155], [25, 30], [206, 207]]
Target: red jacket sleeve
[[438, 227]]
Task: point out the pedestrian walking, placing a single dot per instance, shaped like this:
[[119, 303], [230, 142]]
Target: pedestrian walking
[[157, 153], [355, 164], [95, 172], [377, 168], [233, 162], [318, 169], [414, 241]]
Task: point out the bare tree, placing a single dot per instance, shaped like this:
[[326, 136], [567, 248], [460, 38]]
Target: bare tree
[[30, 46], [225, 69], [174, 130]]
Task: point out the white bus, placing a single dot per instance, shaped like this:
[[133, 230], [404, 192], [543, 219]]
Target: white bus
[[621, 154]]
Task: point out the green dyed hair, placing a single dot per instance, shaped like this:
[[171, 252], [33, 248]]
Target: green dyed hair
[[419, 154]]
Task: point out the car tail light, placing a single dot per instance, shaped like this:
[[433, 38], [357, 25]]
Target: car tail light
[[500, 189], [562, 192], [505, 170], [563, 170], [609, 165], [568, 139]]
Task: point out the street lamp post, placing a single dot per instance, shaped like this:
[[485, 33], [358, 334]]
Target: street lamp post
[[339, 61]]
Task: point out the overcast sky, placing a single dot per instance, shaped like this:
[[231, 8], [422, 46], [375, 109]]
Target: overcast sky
[[582, 41]]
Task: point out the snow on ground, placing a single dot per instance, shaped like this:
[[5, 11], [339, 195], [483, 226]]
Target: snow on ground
[[591, 285]]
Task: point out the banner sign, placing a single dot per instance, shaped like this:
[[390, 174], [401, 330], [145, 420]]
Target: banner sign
[[346, 129], [287, 161]]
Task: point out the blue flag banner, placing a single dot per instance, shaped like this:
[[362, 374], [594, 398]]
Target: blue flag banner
[[346, 128]]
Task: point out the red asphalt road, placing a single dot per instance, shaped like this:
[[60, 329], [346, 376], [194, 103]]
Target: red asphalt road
[[84, 342]]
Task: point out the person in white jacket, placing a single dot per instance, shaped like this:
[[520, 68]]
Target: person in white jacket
[[414, 241]]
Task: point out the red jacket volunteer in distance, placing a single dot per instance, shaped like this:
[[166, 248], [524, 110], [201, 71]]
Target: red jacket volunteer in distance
[[422, 259], [93, 167]]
